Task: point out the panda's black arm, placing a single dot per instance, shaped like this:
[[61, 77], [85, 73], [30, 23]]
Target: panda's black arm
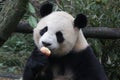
[[35, 63]]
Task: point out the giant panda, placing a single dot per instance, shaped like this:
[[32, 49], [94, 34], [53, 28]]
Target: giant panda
[[71, 57]]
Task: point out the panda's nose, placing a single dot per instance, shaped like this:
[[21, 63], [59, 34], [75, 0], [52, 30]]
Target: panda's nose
[[46, 43]]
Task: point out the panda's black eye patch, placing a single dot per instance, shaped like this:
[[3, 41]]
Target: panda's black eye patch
[[59, 36], [43, 30]]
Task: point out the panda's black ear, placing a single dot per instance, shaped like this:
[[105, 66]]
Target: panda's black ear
[[46, 8], [80, 21]]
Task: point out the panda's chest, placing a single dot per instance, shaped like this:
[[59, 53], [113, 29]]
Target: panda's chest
[[62, 73], [61, 68]]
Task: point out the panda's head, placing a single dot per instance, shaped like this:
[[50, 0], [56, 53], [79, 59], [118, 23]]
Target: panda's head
[[59, 31]]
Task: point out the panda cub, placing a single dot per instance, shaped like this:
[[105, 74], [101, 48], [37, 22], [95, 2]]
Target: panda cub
[[71, 56]]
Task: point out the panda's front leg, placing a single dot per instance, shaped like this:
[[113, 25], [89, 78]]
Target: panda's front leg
[[36, 62]]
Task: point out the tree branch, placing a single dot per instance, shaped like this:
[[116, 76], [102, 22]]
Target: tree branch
[[10, 15], [102, 32], [24, 27], [89, 32]]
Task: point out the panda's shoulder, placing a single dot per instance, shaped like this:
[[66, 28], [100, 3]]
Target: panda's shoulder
[[84, 54], [88, 50]]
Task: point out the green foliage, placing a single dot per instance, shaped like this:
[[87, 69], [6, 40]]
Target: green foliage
[[14, 53], [99, 12], [111, 58], [31, 9], [18, 42], [11, 63], [32, 21], [1, 4]]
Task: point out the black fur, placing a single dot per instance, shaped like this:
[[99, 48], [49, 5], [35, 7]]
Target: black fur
[[80, 21], [59, 36], [84, 65], [45, 9], [45, 29], [46, 44], [36, 62]]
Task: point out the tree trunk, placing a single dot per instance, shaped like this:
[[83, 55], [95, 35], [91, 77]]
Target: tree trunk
[[10, 15]]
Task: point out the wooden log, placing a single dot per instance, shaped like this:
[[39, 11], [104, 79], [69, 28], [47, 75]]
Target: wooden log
[[89, 32], [24, 27], [102, 32]]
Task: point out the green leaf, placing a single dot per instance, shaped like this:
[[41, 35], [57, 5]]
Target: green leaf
[[1, 64], [32, 21], [11, 69], [31, 8], [105, 1], [109, 60]]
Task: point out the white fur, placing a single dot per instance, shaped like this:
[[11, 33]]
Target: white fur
[[60, 21], [81, 42]]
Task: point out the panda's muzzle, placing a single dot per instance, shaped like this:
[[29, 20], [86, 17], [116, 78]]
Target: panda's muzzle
[[46, 44]]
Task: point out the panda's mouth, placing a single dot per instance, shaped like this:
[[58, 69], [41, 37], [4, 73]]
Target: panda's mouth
[[50, 48], [53, 50]]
